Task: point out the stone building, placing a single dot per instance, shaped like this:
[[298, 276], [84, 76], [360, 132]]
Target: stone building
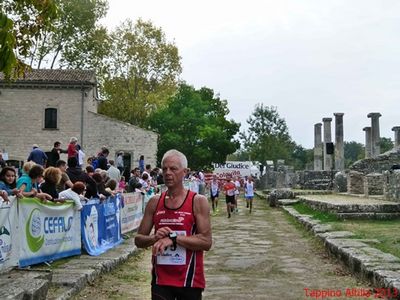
[[54, 105]]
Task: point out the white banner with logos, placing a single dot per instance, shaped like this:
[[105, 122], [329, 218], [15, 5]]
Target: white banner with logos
[[9, 246], [132, 211], [233, 168], [48, 231]]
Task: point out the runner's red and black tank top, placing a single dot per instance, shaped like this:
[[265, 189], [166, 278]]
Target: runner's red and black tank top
[[182, 267]]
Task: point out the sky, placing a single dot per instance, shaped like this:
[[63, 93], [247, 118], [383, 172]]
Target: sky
[[308, 58]]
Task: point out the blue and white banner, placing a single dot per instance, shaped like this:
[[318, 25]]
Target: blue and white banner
[[9, 243], [48, 231], [131, 212], [101, 227]]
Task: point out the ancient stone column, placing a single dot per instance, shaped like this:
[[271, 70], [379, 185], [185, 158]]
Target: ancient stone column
[[367, 142], [327, 139], [339, 145], [318, 147], [375, 135], [396, 130]]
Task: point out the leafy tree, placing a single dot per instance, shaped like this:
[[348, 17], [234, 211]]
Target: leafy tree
[[75, 40], [386, 144], [21, 22], [353, 151], [267, 137], [143, 72], [194, 122], [301, 157]]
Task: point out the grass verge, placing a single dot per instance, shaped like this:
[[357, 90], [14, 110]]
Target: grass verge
[[380, 234]]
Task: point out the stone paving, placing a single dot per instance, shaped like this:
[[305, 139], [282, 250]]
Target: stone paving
[[264, 256]]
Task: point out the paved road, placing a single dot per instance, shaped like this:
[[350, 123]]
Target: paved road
[[259, 256], [264, 256]]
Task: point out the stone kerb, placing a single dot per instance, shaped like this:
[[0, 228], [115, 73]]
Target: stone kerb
[[355, 182], [381, 269], [373, 184]]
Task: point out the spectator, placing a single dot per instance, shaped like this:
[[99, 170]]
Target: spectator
[[76, 174], [65, 182], [2, 161], [147, 170], [55, 154], [134, 183], [8, 183], [101, 188], [141, 164], [122, 185], [89, 170], [81, 155], [74, 194], [37, 156], [111, 187], [72, 151], [28, 185], [102, 159], [120, 162], [113, 172], [52, 177]]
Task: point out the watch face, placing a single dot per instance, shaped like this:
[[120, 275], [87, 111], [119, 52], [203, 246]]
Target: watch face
[[172, 234]]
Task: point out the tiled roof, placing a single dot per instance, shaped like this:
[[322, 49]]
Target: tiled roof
[[64, 77]]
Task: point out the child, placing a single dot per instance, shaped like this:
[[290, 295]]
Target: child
[[122, 185], [8, 181], [75, 194]]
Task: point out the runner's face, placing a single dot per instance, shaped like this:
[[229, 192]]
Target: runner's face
[[173, 172]]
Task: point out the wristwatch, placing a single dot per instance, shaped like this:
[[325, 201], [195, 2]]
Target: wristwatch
[[172, 235]]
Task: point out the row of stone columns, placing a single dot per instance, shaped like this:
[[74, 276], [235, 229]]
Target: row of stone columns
[[323, 160]]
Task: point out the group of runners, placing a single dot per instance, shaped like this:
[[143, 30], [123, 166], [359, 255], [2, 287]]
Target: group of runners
[[231, 187]]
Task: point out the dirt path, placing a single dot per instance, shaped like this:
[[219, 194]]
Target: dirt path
[[259, 256]]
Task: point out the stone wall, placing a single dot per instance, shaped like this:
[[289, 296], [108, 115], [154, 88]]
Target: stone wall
[[355, 182], [22, 124], [278, 179], [22, 119], [316, 180], [121, 136], [379, 164], [392, 185], [373, 184]]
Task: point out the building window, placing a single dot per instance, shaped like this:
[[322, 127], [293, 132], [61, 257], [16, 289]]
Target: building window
[[50, 118]]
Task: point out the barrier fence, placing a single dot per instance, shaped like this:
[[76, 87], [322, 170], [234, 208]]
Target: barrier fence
[[33, 232]]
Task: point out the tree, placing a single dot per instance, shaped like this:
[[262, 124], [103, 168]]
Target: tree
[[267, 137], [143, 72], [353, 151], [301, 157], [21, 22], [194, 122], [75, 40], [386, 144]]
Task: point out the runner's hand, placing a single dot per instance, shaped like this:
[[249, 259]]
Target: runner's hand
[[162, 232], [161, 245]]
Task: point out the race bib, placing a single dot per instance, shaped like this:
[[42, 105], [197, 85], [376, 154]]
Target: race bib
[[169, 257]]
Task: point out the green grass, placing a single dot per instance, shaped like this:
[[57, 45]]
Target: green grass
[[324, 217]]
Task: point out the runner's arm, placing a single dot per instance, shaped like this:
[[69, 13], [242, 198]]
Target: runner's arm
[[143, 239]]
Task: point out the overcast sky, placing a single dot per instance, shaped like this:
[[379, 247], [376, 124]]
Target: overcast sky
[[307, 58]]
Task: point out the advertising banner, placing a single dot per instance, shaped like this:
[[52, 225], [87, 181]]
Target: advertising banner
[[233, 168], [9, 245], [101, 227], [48, 231], [131, 212]]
